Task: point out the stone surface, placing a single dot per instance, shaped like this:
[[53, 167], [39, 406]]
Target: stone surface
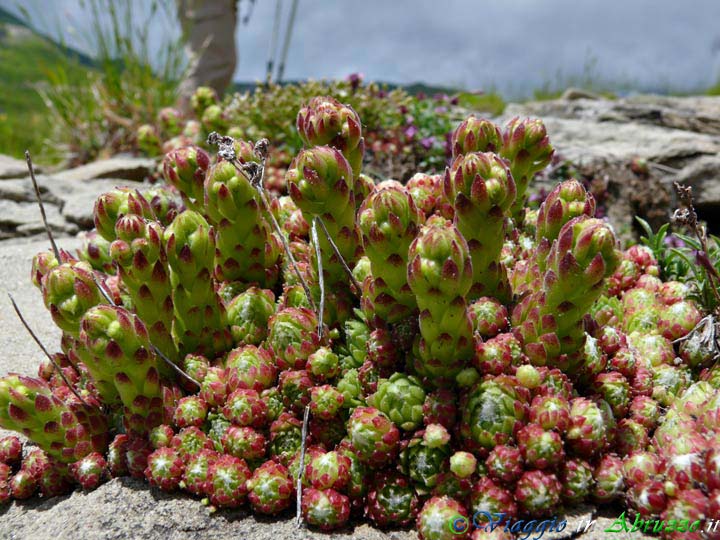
[[11, 167], [678, 137], [129, 509], [122, 167], [68, 204]]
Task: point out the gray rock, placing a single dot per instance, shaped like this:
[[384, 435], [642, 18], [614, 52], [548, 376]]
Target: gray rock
[[119, 167], [700, 114], [68, 203], [703, 175], [23, 219], [678, 137], [11, 167], [79, 198]]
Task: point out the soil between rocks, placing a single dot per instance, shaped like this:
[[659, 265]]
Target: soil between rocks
[[125, 508]]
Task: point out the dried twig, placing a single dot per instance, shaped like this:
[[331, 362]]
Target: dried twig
[[256, 176], [50, 357], [344, 263], [687, 216], [321, 278], [55, 249], [301, 471]]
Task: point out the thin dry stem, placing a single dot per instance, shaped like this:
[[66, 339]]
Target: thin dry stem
[[344, 263], [687, 216], [321, 278], [55, 249], [47, 353], [301, 471], [257, 179]]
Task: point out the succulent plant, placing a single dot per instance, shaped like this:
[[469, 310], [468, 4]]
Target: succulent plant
[[227, 479], [492, 412], [195, 474], [373, 436], [537, 492], [200, 321], [482, 191], [90, 471], [423, 390], [270, 489], [388, 221], [292, 336], [392, 501], [165, 468], [244, 442], [29, 406], [251, 367], [576, 478], [326, 509], [424, 458], [609, 481], [505, 463], [591, 425], [401, 398], [540, 449], [245, 247], [248, 314], [10, 450], [577, 263], [437, 518], [440, 274]]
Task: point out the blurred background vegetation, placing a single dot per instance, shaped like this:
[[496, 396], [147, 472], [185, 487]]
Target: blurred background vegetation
[[71, 107]]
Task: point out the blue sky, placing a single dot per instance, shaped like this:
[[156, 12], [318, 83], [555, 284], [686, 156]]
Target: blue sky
[[510, 45]]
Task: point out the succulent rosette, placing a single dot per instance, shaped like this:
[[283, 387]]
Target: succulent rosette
[[392, 501], [244, 442], [320, 182], [373, 436], [185, 168], [425, 457], [526, 145], [443, 518], [492, 412], [270, 489], [326, 121], [139, 254], [440, 275], [541, 449], [200, 322], [245, 248], [326, 509], [583, 255], [426, 191], [538, 492], [248, 314], [69, 291], [609, 481], [475, 135], [292, 336], [111, 206], [401, 398], [482, 190], [119, 357], [227, 481], [251, 367], [10, 450], [388, 221], [591, 427]]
